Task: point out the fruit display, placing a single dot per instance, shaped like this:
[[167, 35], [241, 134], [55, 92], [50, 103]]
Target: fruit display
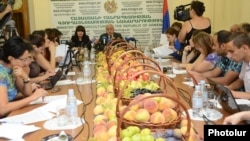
[[140, 120]]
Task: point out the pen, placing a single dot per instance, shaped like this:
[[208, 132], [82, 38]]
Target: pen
[[10, 122]]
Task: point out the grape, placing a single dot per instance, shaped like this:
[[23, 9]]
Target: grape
[[170, 139], [169, 133]]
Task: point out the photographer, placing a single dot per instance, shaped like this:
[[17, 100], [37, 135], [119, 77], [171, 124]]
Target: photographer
[[197, 22]]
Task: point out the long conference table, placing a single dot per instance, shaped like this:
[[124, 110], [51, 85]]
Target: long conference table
[[87, 93]]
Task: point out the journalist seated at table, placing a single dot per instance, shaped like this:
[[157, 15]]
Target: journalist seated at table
[[15, 55]]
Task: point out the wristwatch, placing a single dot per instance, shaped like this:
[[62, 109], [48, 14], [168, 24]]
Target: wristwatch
[[26, 80]]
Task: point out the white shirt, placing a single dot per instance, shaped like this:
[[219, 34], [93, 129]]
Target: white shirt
[[245, 75], [61, 51]]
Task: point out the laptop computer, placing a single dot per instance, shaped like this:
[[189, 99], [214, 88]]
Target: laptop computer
[[228, 102], [52, 82]]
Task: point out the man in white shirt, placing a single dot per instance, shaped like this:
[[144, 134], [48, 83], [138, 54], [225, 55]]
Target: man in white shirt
[[238, 49]]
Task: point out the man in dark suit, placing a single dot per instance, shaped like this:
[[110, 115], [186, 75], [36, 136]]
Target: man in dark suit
[[109, 35]]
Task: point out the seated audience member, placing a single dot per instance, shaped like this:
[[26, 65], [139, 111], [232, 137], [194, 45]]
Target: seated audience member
[[238, 47], [235, 28], [189, 53], [197, 22], [14, 56], [245, 27], [49, 47], [237, 118], [80, 38], [38, 44], [177, 26], [109, 35], [61, 52], [174, 44], [226, 70], [203, 43]]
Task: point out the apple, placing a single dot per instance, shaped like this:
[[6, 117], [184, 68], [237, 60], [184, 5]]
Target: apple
[[145, 131]]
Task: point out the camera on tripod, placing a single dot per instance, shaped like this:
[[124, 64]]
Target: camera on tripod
[[181, 13]]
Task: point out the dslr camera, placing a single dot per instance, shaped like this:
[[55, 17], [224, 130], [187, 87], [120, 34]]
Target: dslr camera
[[181, 13]]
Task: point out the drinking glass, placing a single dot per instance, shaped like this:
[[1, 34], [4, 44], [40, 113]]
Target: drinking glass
[[211, 105]]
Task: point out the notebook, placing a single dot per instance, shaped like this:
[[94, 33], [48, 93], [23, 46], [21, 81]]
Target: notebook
[[228, 102], [52, 82]]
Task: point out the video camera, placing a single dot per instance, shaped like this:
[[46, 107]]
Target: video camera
[[66, 42], [181, 13]]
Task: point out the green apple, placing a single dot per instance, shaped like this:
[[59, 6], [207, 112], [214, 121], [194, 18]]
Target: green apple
[[126, 139], [136, 137], [147, 137], [145, 131], [133, 129], [160, 139], [126, 133]]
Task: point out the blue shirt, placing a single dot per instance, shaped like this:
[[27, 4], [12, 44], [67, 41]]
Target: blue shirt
[[213, 58], [176, 54], [7, 80], [226, 64]]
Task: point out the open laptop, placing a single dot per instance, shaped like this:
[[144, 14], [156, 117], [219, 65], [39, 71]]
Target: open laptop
[[228, 102], [52, 82]]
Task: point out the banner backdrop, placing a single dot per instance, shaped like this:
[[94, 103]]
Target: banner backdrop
[[141, 19]]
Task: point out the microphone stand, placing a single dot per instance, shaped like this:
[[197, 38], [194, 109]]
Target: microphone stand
[[71, 63]]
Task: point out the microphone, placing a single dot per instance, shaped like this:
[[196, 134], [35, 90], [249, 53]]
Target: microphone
[[104, 40], [130, 39]]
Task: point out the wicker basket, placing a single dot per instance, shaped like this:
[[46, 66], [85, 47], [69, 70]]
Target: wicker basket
[[123, 123], [117, 44], [163, 82], [132, 53], [121, 71]]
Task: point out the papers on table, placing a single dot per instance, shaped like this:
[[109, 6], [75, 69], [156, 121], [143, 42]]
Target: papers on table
[[35, 115], [39, 114], [15, 132], [162, 51], [242, 101]]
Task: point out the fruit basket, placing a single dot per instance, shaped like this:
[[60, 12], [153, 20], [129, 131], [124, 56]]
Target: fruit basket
[[115, 61], [122, 73], [166, 84], [145, 116], [117, 45]]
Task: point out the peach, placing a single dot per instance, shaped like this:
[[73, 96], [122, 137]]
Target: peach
[[113, 139], [112, 131], [142, 115], [165, 102], [151, 105], [101, 91], [110, 114], [98, 110], [169, 114], [111, 123], [100, 128], [100, 100], [100, 119], [101, 136], [129, 115], [157, 117]]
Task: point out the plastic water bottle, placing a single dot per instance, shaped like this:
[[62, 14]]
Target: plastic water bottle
[[197, 101], [86, 72], [204, 93], [92, 55], [72, 107]]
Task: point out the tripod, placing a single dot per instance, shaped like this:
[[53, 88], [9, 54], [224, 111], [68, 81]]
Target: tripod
[[68, 61]]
